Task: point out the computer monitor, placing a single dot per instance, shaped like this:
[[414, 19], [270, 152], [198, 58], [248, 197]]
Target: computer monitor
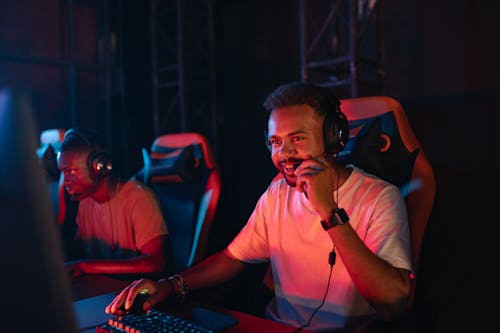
[[36, 294]]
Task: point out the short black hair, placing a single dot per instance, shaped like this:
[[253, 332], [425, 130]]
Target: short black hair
[[81, 139], [321, 99]]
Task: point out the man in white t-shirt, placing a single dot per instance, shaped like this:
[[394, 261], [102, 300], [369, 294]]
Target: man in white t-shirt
[[336, 237]]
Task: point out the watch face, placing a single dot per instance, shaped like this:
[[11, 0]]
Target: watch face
[[342, 215], [338, 216]]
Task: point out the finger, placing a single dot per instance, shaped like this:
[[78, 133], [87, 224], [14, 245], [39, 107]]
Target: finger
[[135, 288], [300, 186], [140, 286], [117, 302], [305, 175]]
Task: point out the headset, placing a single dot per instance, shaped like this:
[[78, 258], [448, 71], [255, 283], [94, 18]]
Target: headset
[[335, 128], [99, 159]]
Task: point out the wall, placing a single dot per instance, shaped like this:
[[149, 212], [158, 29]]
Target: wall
[[450, 90]]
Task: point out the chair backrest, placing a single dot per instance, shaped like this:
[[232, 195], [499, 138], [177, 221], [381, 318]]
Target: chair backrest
[[54, 136], [50, 144], [182, 171], [380, 131], [64, 209]]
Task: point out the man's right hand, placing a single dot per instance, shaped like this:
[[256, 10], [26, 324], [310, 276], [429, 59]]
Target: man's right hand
[[159, 291]]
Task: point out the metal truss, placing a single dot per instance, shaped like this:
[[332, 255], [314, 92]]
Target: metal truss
[[342, 45], [183, 68], [107, 64]]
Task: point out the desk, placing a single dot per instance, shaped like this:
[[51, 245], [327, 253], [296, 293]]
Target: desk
[[94, 285], [251, 324], [87, 286]]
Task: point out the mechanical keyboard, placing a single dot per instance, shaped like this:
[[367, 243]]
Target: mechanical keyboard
[[155, 321]]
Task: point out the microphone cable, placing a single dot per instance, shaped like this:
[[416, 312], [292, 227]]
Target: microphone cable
[[331, 260]]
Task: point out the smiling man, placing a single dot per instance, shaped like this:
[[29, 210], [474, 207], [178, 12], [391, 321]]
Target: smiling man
[[336, 237]]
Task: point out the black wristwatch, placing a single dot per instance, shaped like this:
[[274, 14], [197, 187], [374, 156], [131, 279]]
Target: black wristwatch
[[337, 217]]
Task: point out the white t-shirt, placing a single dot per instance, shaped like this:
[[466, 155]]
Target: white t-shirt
[[285, 230], [119, 227]]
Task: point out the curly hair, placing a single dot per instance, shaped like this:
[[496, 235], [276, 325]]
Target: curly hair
[[321, 99]]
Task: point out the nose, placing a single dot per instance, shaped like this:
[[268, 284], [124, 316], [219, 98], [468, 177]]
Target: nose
[[287, 149], [66, 178]]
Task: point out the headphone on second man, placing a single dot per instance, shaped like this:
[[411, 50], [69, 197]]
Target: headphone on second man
[[335, 127], [99, 159]]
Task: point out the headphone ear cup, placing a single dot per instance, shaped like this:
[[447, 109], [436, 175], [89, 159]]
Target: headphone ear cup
[[335, 132], [99, 164], [342, 130], [329, 137]]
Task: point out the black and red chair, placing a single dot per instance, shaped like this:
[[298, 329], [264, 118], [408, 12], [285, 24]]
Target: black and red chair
[[182, 170], [64, 209], [50, 144], [384, 143]]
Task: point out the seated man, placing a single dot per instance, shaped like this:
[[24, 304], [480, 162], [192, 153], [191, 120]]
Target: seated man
[[336, 237], [119, 223]]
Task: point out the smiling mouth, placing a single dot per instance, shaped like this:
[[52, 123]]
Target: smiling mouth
[[290, 167]]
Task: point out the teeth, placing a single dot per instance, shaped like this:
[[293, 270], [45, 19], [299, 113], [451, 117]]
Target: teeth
[[289, 168]]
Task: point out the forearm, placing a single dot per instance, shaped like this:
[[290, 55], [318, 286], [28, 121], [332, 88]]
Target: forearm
[[140, 264], [216, 269], [381, 284]]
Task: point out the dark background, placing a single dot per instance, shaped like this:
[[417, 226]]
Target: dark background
[[442, 65]]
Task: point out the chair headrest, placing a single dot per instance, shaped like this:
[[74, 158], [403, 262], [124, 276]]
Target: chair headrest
[[52, 135], [377, 148], [180, 140]]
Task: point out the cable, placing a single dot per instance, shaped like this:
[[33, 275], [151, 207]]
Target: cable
[[338, 187], [331, 261]]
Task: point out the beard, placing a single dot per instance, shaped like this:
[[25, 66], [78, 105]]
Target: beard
[[287, 168]]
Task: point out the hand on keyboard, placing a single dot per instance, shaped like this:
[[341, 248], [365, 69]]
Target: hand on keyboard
[[158, 292]]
